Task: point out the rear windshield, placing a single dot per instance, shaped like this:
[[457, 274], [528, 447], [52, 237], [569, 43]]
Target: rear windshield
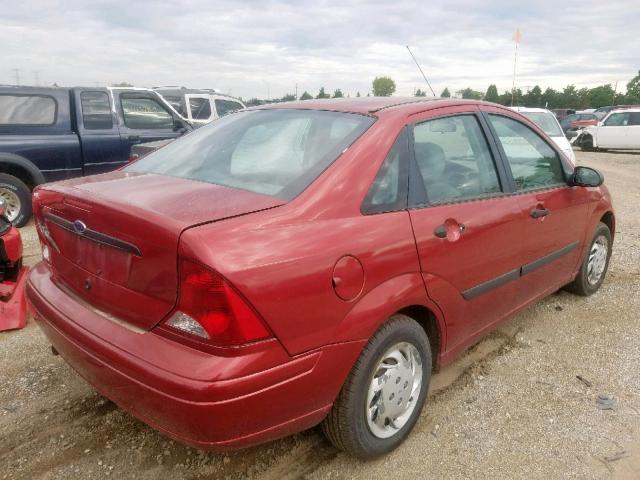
[[546, 121], [272, 152]]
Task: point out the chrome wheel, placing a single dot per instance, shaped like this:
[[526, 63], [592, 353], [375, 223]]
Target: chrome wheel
[[394, 390], [12, 203], [597, 259]]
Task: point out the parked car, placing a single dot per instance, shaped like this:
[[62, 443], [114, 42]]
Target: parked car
[[49, 134], [562, 113], [548, 122], [603, 111], [310, 262], [577, 121], [199, 106], [620, 129]]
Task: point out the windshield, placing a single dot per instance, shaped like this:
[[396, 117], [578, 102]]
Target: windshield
[[272, 152], [546, 121]]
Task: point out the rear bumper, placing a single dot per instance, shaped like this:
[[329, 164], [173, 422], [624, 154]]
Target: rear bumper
[[207, 400]]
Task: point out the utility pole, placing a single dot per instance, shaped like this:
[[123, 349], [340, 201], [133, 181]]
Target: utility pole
[[36, 77], [296, 91], [17, 72], [517, 36], [423, 75]]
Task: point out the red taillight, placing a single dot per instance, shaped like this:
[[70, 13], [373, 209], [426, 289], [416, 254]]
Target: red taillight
[[211, 309]]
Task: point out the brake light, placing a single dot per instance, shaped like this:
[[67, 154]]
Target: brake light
[[211, 309]]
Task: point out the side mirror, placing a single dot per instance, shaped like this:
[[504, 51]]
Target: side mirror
[[586, 177], [179, 126]]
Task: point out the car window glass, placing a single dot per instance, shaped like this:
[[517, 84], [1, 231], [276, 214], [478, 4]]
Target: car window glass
[[273, 152], [27, 110], [617, 120], [200, 108], [634, 118], [96, 111], [534, 164], [226, 106], [546, 121], [388, 191], [176, 103], [144, 112], [454, 160]]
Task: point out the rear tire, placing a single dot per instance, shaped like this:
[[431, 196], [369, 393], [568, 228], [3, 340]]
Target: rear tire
[[586, 144], [381, 401], [17, 198], [595, 264]]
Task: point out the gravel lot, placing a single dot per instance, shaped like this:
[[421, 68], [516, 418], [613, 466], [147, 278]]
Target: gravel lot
[[512, 407]]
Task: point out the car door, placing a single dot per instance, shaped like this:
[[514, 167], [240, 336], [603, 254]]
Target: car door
[[468, 231], [632, 136], [555, 214], [612, 132], [99, 134], [143, 118]]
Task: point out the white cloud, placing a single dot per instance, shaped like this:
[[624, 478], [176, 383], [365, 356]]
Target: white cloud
[[260, 48]]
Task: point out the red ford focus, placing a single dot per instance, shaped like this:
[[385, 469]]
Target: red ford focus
[[310, 263]]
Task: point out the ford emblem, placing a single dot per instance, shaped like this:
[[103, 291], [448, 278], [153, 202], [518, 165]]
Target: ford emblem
[[79, 226]]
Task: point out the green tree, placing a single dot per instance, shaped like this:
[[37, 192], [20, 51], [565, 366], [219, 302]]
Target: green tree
[[471, 94], [445, 93], [533, 98], [492, 94], [306, 96], [633, 90], [289, 97], [549, 98], [420, 93], [121, 84], [322, 94], [338, 93], [569, 97], [358, 93], [383, 87]]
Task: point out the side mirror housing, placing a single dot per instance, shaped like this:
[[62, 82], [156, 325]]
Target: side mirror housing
[[586, 177]]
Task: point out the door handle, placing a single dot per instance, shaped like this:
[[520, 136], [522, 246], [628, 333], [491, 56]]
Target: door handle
[[134, 138], [441, 230], [539, 212]]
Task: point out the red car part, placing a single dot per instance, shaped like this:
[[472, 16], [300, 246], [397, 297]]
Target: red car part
[[13, 313]]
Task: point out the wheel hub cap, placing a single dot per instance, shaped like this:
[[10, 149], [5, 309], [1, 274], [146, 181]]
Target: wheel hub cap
[[597, 259], [11, 203], [394, 390]]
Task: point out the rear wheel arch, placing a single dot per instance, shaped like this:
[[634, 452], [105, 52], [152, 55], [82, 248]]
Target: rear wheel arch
[[21, 168], [427, 319]]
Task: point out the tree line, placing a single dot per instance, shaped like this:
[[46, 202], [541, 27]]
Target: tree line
[[569, 97]]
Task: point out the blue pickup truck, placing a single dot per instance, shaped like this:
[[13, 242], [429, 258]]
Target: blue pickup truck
[[49, 134]]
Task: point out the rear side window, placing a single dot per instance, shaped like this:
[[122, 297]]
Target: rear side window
[[226, 106], [144, 113], [388, 191], [534, 164], [272, 152], [27, 110], [200, 108], [96, 111], [454, 160], [634, 118]]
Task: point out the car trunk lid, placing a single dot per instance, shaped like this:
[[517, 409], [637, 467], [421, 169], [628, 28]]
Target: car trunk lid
[[114, 237]]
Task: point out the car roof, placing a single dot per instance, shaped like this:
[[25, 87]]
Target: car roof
[[372, 105], [626, 110], [530, 110]]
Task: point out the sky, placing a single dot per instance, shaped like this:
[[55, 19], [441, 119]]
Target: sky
[[265, 48]]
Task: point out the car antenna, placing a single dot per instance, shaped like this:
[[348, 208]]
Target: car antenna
[[423, 75]]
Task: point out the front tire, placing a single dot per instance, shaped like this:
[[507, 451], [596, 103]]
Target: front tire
[[17, 199], [586, 144], [595, 264], [383, 395]]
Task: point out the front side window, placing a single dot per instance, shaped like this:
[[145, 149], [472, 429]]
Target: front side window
[[617, 120], [144, 113], [96, 111], [454, 160], [200, 108], [534, 164], [27, 110], [226, 106], [272, 152]]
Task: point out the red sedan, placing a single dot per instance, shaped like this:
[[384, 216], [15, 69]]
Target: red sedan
[[309, 263]]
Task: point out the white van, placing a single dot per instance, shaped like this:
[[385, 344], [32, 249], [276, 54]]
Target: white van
[[199, 106], [619, 129]]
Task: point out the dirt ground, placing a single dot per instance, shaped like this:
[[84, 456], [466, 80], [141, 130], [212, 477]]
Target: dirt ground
[[511, 407]]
